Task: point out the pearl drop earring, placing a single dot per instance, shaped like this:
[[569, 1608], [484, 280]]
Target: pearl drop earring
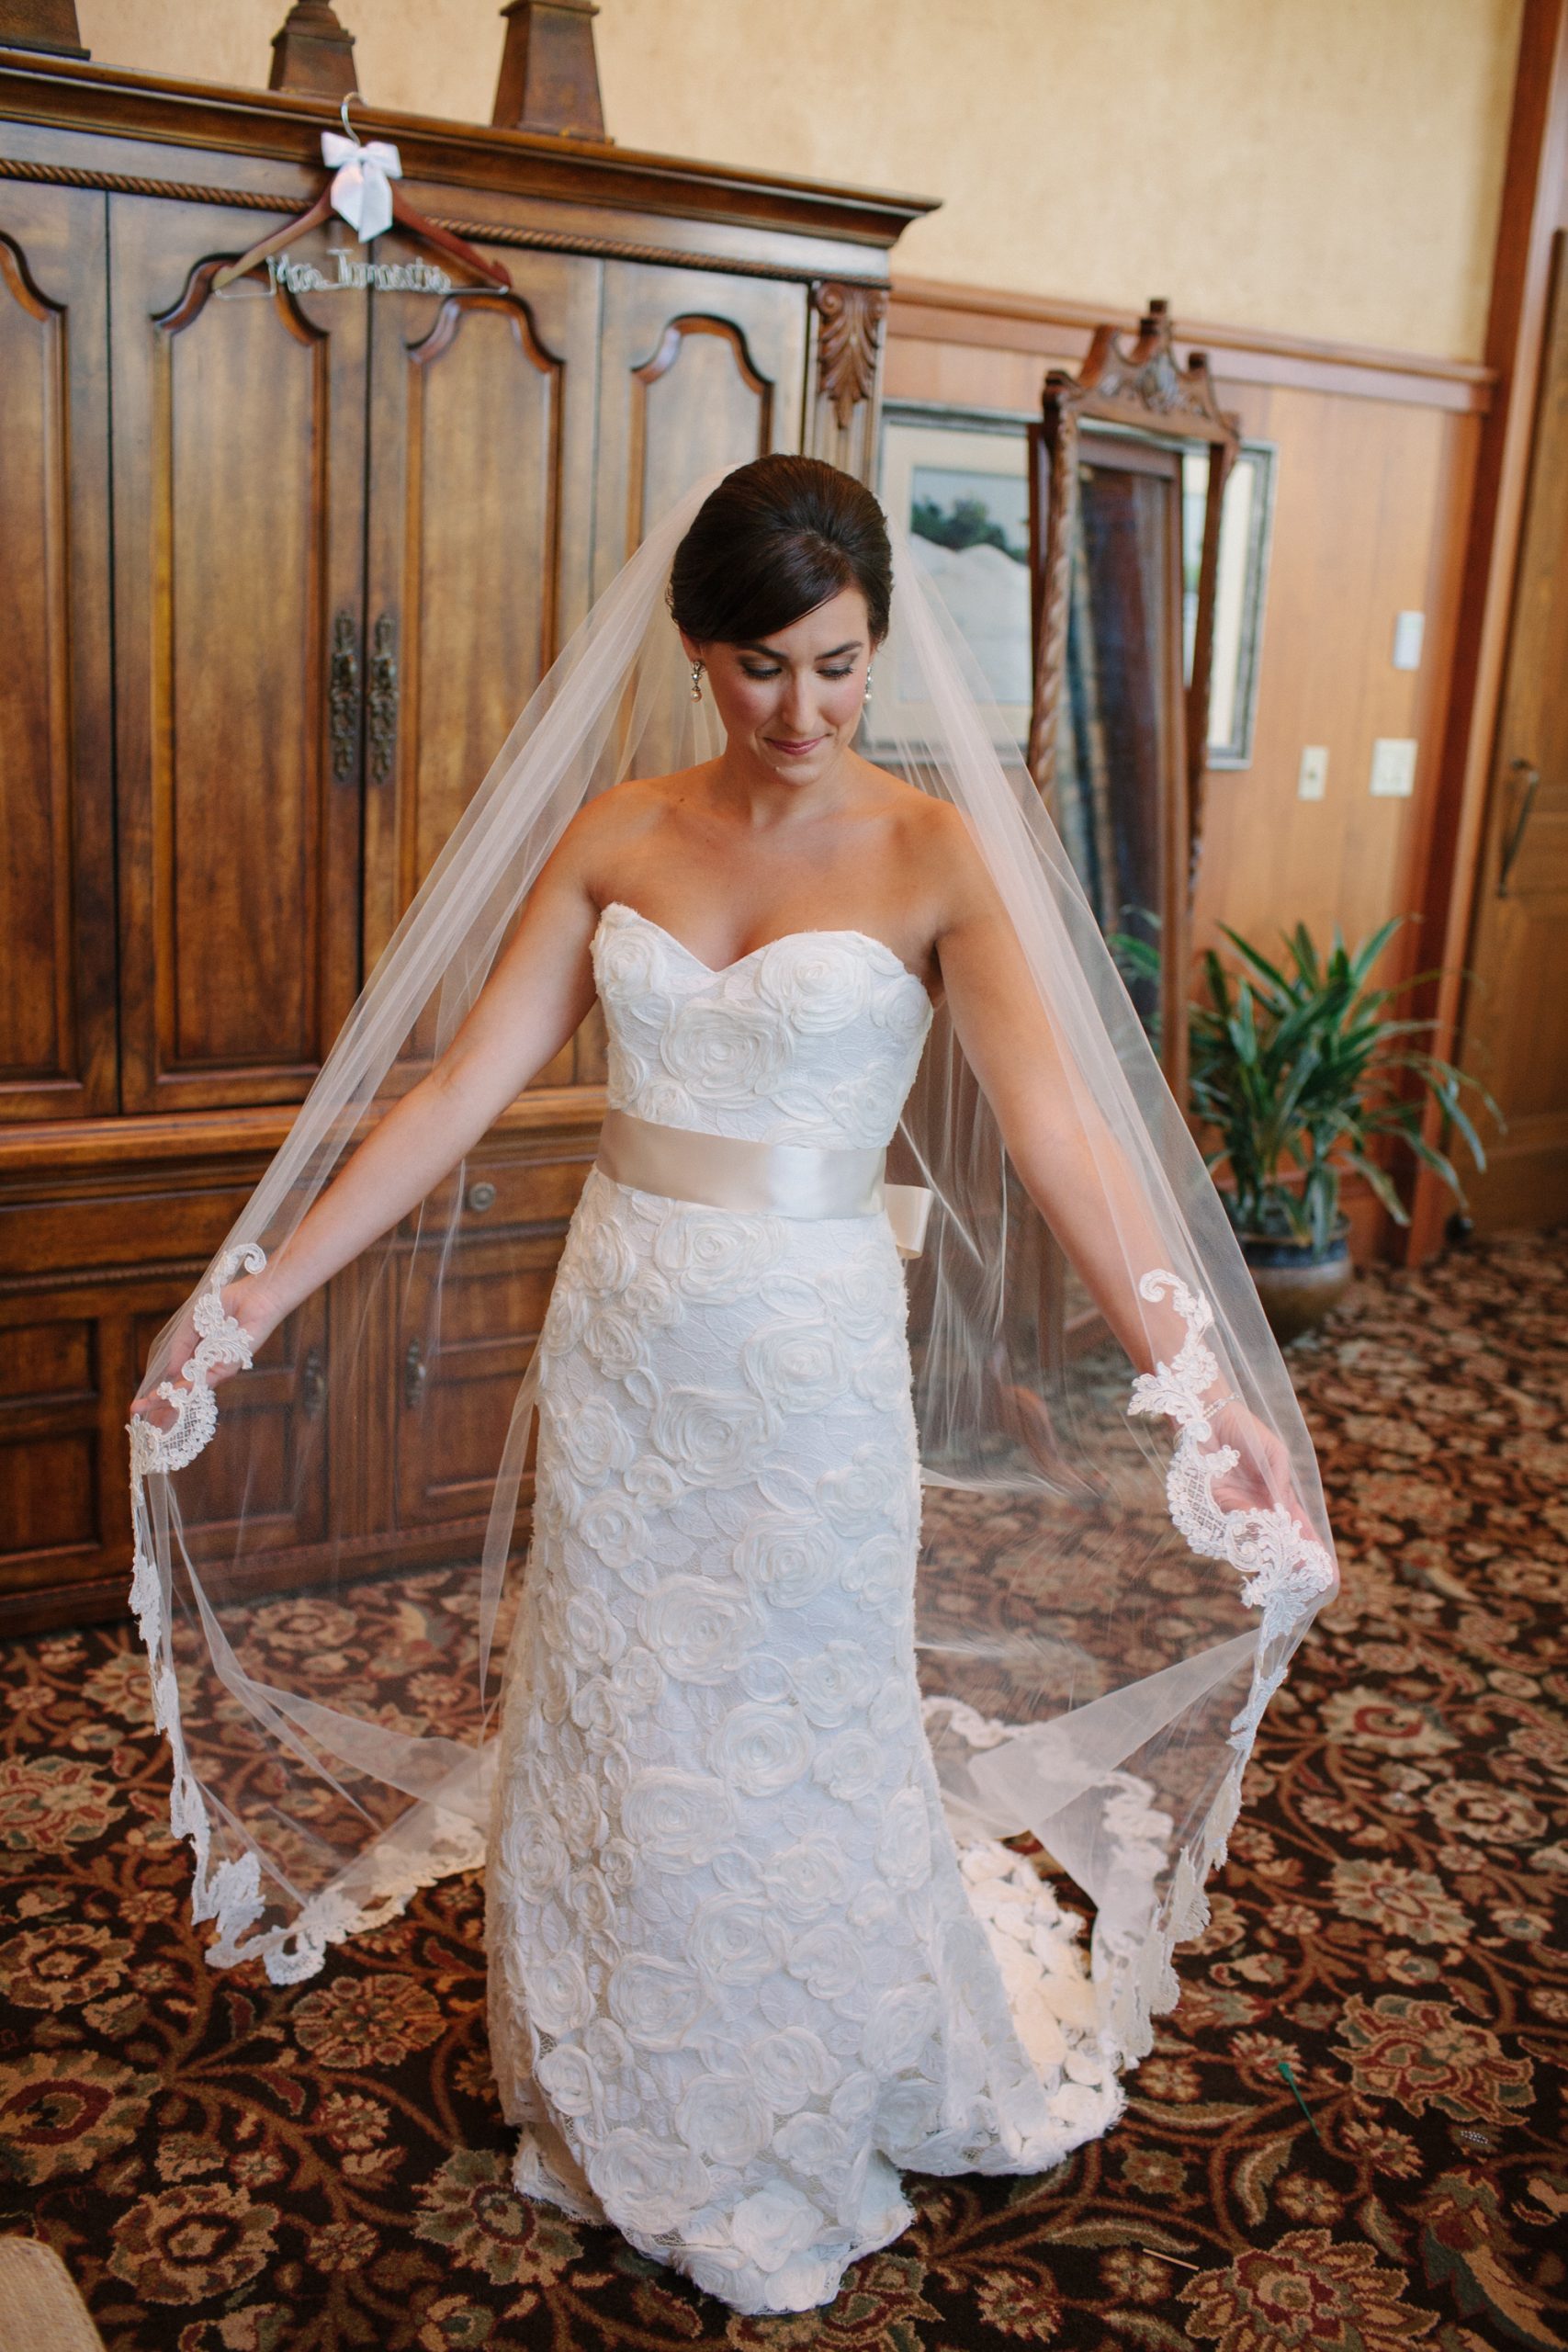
[[696, 682]]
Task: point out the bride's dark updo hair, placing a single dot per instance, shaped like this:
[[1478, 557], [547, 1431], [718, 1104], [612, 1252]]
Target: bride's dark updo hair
[[774, 540]]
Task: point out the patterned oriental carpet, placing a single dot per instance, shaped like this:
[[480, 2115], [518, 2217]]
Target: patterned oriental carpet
[[229, 2166]]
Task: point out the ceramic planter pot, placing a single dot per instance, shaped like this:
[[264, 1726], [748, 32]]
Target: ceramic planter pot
[[1298, 1282]]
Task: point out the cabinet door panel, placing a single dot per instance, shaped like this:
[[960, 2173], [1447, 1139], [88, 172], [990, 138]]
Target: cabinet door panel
[[57, 920], [50, 1499], [457, 1408], [238, 489], [88, 1279], [68, 1365], [697, 370], [481, 451]]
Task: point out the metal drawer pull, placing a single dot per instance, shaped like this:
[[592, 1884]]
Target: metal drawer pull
[[480, 1197], [414, 1370]]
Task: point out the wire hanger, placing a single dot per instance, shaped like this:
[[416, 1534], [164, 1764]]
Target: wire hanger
[[456, 248]]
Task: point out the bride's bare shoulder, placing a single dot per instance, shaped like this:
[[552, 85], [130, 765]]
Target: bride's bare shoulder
[[930, 827], [622, 812], [941, 861]]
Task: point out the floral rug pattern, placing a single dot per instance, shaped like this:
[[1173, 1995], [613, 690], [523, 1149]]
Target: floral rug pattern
[[1350, 2135]]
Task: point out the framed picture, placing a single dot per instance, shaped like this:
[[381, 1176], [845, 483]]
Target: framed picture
[[957, 481], [1245, 525]]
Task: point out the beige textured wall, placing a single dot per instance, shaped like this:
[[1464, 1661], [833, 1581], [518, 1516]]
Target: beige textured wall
[[1326, 168]]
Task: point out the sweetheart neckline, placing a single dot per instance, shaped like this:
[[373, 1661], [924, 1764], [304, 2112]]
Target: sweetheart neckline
[[718, 971]]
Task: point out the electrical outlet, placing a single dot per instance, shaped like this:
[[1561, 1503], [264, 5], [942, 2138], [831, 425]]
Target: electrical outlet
[[1312, 776], [1409, 629], [1393, 767]]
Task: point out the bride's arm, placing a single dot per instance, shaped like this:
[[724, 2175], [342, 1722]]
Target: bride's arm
[[1056, 1140], [530, 1007], [1069, 1162]]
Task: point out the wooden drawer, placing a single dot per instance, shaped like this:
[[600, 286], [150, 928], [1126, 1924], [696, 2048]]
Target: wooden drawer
[[111, 1220], [456, 1384], [510, 1187]]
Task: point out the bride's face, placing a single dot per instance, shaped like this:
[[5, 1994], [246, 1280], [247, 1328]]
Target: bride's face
[[793, 699]]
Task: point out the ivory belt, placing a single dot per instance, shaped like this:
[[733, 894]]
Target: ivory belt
[[760, 1179]]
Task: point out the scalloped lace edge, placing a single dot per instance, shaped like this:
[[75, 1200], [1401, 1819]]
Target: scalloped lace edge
[[1284, 1572]]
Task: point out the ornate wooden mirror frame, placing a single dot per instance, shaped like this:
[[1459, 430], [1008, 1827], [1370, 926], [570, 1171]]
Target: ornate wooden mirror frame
[[1114, 666]]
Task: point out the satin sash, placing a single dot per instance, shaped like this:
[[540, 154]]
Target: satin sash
[[760, 1179]]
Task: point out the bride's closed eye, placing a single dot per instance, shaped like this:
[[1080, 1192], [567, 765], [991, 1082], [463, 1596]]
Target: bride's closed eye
[[749, 672]]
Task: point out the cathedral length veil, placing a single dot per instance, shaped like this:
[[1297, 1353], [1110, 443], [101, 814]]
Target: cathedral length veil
[[1097, 1633]]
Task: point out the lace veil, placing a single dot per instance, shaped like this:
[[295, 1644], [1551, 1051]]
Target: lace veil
[[1097, 1630]]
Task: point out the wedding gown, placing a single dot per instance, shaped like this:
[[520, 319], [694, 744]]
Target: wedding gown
[[739, 1971]]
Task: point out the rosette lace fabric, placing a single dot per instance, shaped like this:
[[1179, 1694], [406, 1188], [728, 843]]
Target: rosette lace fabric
[[739, 1971]]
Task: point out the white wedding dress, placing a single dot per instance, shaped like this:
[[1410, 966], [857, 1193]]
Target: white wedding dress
[[739, 1971]]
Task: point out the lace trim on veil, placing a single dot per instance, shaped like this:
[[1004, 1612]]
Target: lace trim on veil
[[1284, 1572]]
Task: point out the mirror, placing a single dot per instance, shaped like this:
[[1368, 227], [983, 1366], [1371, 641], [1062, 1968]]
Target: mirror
[[1119, 719]]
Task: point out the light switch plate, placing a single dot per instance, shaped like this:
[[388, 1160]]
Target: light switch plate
[[1393, 767], [1409, 629], [1312, 776]]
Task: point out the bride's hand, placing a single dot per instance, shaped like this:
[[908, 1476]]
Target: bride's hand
[[1261, 1478], [251, 1304]]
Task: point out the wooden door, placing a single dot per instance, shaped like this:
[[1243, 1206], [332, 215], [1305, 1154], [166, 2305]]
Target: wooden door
[[1516, 1017], [239, 423], [482, 457], [481, 465], [697, 370], [58, 1048]]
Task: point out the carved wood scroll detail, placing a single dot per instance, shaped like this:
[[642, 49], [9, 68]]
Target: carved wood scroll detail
[[848, 342], [1145, 382]]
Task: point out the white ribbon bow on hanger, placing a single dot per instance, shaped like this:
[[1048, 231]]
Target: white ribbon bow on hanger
[[360, 191]]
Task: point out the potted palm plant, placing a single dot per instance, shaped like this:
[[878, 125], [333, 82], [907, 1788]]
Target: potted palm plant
[[1302, 1072]]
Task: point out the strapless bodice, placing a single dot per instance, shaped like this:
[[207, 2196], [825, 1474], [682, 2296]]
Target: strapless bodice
[[814, 1038]]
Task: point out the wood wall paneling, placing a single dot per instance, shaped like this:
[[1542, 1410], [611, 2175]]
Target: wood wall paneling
[[1376, 463], [58, 1043], [1369, 510]]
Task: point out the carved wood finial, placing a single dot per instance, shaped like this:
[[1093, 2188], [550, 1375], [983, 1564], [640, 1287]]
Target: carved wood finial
[[311, 53], [550, 74], [41, 24], [852, 318], [1146, 375]]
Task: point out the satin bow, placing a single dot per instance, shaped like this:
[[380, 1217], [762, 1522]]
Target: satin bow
[[360, 191]]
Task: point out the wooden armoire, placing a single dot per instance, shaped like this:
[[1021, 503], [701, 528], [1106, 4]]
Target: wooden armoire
[[278, 571]]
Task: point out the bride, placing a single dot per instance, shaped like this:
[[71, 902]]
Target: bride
[[751, 1950]]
